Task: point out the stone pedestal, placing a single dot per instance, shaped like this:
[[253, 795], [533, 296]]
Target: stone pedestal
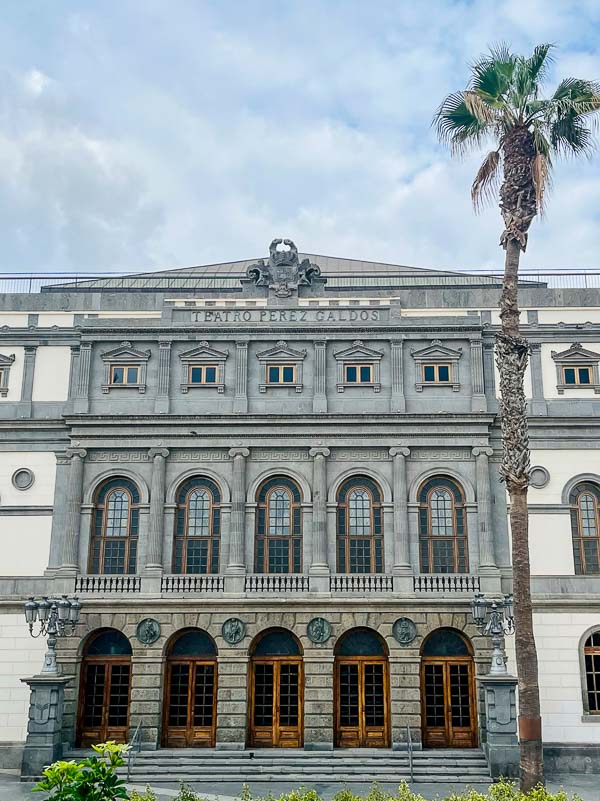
[[44, 726], [502, 744]]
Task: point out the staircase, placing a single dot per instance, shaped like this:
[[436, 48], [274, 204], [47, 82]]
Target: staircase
[[465, 766]]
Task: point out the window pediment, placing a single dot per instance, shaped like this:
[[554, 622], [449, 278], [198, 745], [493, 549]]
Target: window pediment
[[125, 355], [576, 368], [203, 356], [360, 355], [435, 355], [5, 365], [281, 354]]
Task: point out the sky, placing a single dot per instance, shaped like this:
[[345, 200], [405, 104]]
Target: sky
[[145, 134]]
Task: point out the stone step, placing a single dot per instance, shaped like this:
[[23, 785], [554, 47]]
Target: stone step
[[311, 778]]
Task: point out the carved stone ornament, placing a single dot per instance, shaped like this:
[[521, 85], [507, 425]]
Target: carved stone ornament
[[318, 630], [284, 272], [148, 631], [404, 630], [233, 630]]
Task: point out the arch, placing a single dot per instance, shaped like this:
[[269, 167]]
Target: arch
[[581, 478], [279, 526], [104, 688], [380, 480], [443, 543], [108, 475], [589, 661], [114, 527], [449, 714], [359, 526], [190, 699], [195, 472], [584, 503], [276, 689], [197, 535], [284, 472], [361, 641], [458, 478]]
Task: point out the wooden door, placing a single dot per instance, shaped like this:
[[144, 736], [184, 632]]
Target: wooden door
[[448, 702], [362, 703], [276, 702], [104, 701], [191, 704]]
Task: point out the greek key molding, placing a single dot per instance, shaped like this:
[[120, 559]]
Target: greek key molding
[[119, 456], [462, 455], [199, 456], [280, 456], [360, 456]]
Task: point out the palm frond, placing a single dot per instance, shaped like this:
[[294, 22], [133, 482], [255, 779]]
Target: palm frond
[[488, 78], [540, 173], [538, 63], [570, 136], [479, 108], [458, 127], [485, 185]]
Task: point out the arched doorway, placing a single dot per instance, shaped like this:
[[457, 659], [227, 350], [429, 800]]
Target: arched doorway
[[448, 691], [105, 688], [362, 690], [276, 691], [190, 708]]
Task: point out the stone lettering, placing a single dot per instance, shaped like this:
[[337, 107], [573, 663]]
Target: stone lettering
[[323, 315]]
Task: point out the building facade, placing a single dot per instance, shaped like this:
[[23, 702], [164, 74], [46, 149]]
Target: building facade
[[274, 487]]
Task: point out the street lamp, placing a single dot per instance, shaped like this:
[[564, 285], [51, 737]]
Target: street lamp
[[55, 617], [494, 619]]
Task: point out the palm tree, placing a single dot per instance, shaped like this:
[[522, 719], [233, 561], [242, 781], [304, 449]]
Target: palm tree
[[503, 104]]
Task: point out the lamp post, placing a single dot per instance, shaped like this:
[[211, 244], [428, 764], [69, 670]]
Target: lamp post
[[55, 617], [494, 619]]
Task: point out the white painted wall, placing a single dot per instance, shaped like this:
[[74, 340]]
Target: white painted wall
[[14, 319], [571, 315], [549, 370], [20, 656], [550, 545], [51, 376], [563, 465], [43, 466], [557, 637], [25, 544], [61, 319], [15, 377]]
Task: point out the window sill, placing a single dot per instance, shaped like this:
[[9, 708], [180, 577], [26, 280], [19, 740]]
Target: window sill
[[265, 387], [562, 387], [587, 718], [372, 385], [219, 387], [106, 388]]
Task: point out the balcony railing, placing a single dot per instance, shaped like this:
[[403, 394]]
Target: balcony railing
[[102, 584], [281, 583], [446, 583], [184, 584], [362, 583]]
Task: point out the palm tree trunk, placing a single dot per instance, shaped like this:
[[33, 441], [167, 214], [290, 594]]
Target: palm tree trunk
[[511, 356]]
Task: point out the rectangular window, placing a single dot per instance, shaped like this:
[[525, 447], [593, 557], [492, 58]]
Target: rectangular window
[[122, 375], [358, 373], [436, 373], [281, 374], [577, 376], [202, 374]]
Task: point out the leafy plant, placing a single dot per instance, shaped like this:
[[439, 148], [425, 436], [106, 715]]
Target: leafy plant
[[147, 795], [93, 779]]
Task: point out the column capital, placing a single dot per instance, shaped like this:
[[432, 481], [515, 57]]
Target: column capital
[[399, 450], [233, 452], [163, 342], [242, 344], [319, 452], [535, 345], [80, 453], [154, 453], [482, 452]]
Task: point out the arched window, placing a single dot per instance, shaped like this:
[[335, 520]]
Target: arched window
[[197, 527], [585, 527], [591, 657], [278, 527], [115, 526], [442, 527], [359, 527]]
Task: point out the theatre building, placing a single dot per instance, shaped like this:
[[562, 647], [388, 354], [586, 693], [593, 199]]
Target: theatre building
[[273, 486]]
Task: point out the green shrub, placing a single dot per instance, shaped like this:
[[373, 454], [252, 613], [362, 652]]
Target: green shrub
[[92, 779], [147, 795]]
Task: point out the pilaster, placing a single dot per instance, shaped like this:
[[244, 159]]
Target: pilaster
[[70, 537], [319, 566], [487, 556], [82, 379], [240, 400], [154, 551], [478, 399], [320, 378], [161, 404], [538, 405], [402, 568], [25, 405], [397, 400], [237, 565], [489, 375]]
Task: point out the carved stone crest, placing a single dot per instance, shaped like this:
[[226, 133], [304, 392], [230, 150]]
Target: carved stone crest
[[318, 630], [404, 630], [284, 272], [148, 631], [233, 630]]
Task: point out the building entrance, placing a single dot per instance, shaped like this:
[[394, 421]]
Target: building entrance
[[276, 691], [191, 691], [448, 691], [105, 688], [362, 691]]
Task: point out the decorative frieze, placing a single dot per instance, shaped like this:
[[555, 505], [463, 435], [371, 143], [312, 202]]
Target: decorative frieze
[[118, 456], [431, 455], [360, 456]]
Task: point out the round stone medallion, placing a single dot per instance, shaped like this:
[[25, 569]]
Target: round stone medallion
[[148, 631], [233, 630], [404, 630], [539, 476], [23, 478], [318, 630]]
